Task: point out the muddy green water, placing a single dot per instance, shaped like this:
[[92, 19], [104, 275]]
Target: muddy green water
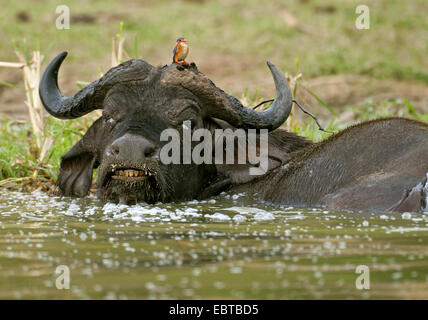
[[228, 247]]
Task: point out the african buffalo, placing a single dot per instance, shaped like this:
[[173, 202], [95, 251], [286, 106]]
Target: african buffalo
[[379, 165]]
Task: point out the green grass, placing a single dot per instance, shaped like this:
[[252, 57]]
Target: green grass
[[247, 32], [18, 158], [387, 108]]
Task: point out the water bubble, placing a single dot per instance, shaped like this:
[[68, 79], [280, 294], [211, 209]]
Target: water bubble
[[235, 270], [406, 216]]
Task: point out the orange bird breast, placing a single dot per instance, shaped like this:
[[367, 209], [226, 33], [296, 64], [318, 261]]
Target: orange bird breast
[[182, 51]]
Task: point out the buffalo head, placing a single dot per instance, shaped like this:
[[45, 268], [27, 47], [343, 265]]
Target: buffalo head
[[140, 101]]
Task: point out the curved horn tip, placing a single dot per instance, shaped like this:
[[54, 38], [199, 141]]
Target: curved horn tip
[[60, 57], [52, 66], [49, 93], [272, 67]]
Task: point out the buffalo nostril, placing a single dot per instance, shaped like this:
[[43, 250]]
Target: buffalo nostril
[[149, 151], [115, 149]]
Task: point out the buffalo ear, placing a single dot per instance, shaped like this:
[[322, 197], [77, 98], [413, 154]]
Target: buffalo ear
[[240, 173], [280, 144], [75, 176]]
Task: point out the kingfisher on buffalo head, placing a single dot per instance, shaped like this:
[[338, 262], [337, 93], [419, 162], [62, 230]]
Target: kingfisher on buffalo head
[[181, 50]]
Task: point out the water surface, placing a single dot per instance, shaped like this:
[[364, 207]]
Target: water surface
[[231, 246]]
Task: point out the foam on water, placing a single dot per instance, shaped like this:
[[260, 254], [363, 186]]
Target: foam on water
[[226, 208], [235, 208]]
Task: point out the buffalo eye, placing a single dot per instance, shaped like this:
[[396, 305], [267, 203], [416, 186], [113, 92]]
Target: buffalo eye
[[109, 120], [194, 123]]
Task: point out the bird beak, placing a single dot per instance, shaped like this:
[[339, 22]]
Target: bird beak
[[183, 40]]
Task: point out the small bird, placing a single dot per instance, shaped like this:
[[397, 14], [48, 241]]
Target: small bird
[[181, 50]]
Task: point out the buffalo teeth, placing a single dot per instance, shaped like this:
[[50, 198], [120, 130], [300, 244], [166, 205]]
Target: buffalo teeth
[[131, 173]]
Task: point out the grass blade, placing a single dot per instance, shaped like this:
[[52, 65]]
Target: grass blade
[[324, 104], [10, 85]]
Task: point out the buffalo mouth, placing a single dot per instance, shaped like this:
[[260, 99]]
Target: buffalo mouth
[[131, 175], [131, 184]]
